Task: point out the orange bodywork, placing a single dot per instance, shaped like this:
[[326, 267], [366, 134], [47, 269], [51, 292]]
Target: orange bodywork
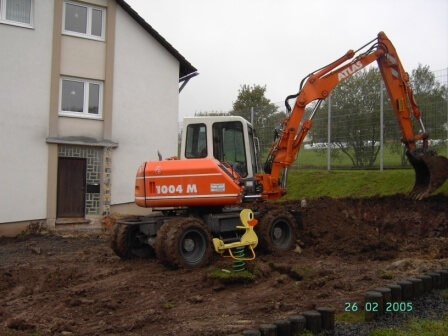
[[193, 182]]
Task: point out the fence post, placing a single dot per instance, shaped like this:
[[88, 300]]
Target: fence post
[[252, 116], [329, 134], [381, 125]]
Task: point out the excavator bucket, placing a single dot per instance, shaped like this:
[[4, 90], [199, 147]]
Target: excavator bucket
[[431, 171]]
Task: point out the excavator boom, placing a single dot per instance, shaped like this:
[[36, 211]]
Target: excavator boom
[[431, 171]]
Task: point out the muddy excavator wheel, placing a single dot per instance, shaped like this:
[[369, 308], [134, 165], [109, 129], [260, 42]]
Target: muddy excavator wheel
[[162, 237], [127, 242], [184, 243], [277, 231], [431, 171]]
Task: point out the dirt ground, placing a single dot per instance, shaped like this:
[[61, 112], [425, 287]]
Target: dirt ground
[[67, 283]]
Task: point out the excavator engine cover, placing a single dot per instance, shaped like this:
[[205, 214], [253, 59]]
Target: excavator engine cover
[[194, 182], [431, 171]]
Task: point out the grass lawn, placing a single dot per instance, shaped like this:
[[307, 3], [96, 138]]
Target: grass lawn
[[310, 183], [309, 177]]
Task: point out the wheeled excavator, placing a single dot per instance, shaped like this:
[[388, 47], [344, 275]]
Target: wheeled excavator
[[197, 198]]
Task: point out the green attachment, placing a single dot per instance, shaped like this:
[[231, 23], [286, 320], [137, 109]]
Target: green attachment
[[238, 264]]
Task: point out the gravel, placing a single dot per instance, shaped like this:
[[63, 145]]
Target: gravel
[[431, 306]]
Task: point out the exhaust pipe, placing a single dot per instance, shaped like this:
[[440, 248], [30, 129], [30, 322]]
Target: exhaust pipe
[[431, 171]]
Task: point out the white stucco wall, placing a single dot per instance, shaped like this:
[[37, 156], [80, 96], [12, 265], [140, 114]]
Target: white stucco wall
[[24, 95], [82, 57], [145, 104], [84, 127]]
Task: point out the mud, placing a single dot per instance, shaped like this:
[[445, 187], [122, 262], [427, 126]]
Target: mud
[[71, 283]]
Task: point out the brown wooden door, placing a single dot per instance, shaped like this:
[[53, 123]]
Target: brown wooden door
[[71, 187]]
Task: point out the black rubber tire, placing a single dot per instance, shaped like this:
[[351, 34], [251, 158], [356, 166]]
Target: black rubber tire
[[162, 236], [188, 244], [277, 231], [126, 245], [113, 238]]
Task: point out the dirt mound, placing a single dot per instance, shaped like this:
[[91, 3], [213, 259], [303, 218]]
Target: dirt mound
[[374, 228], [75, 285]]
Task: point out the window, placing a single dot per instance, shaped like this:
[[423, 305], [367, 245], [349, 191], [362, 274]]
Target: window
[[81, 98], [83, 20], [228, 145], [16, 12], [196, 143]]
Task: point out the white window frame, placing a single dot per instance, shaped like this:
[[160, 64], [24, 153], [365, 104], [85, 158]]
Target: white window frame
[[3, 19], [88, 34], [85, 113]]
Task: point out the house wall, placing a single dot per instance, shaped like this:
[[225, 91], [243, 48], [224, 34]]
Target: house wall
[[81, 57], [84, 58], [140, 107], [24, 87], [68, 126], [145, 104]]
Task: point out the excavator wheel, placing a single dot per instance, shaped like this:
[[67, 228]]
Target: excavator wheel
[[162, 236], [431, 171], [184, 243], [127, 242], [277, 231]]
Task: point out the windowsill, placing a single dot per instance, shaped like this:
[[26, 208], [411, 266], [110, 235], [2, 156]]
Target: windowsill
[[80, 116], [17, 24], [84, 36], [81, 141]]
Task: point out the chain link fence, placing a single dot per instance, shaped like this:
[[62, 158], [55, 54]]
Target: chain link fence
[[385, 150]]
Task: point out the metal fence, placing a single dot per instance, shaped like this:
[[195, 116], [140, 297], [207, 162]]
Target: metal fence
[[325, 154], [388, 149]]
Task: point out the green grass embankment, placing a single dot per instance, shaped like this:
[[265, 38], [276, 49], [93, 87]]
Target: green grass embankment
[[351, 183]]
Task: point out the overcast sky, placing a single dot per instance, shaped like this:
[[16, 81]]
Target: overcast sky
[[278, 42]]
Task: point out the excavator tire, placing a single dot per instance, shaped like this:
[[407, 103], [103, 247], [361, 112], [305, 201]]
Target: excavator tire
[[187, 244], [277, 231], [431, 172], [162, 236], [113, 238], [126, 244]]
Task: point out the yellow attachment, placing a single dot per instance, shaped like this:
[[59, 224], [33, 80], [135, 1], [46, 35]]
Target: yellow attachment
[[249, 238]]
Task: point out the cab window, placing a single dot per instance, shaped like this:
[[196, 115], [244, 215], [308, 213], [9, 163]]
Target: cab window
[[228, 145], [196, 141]]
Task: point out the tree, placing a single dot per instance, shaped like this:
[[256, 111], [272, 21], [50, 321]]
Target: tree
[[266, 114], [355, 118]]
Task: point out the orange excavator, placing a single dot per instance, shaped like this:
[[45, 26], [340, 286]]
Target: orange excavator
[[197, 198]]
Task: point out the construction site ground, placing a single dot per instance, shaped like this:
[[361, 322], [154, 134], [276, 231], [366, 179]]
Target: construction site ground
[[69, 282]]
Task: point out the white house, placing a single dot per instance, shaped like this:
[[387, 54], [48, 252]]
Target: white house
[[88, 91]]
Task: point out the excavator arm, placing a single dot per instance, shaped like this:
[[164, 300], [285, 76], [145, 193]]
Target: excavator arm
[[431, 170]]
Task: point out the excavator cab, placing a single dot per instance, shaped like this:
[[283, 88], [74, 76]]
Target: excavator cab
[[228, 139]]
